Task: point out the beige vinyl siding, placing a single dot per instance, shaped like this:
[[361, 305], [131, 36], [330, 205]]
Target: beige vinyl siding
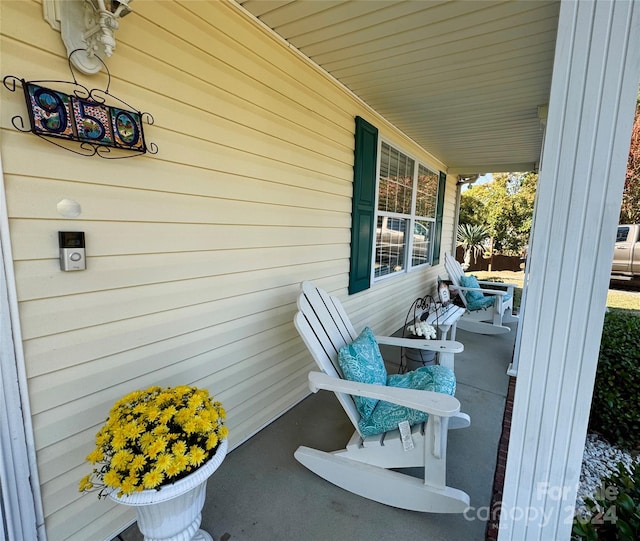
[[195, 255]]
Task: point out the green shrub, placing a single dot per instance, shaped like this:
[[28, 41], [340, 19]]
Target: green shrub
[[615, 410], [615, 509]]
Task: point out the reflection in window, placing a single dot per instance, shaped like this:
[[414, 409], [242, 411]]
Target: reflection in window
[[407, 200], [426, 192], [422, 238], [389, 245], [396, 181]]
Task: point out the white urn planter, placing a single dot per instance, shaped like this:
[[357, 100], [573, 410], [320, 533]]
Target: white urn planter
[[174, 512]]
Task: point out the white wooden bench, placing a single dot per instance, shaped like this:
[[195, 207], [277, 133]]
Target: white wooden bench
[[445, 318]]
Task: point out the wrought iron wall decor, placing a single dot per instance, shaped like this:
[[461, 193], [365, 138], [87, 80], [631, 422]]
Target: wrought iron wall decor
[[82, 116]]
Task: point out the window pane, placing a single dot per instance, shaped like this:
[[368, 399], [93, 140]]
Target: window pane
[[422, 240], [427, 193], [396, 181], [390, 239], [623, 233], [407, 201]]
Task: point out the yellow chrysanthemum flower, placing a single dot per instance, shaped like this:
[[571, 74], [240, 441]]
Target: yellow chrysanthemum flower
[[179, 448], [132, 430], [183, 416], [195, 401], [119, 440], [173, 468], [212, 441], [134, 479], [145, 440], [190, 427], [112, 479], [121, 459], [181, 462], [153, 412], [160, 430], [163, 461], [152, 479], [196, 455], [127, 487], [156, 447], [167, 414], [85, 483], [164, 398], [140, 409], [204, 414], [102, 437], [95, 456], [138, 463]]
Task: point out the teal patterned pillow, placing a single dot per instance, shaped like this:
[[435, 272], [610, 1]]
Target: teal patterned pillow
[[471, 281], [484, 302], [361, 361], [386, 416]]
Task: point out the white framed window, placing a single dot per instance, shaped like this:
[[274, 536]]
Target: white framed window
[[406, 200]]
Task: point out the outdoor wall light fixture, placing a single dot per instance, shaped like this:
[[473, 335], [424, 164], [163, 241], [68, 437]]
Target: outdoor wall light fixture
[[89, 25]]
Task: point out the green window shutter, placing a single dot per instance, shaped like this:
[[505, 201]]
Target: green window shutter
[[437, 236], [363, 205]]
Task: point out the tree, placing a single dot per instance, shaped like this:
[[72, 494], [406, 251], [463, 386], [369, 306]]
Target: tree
[[504, 207], [471, 238], [471, 209], [630, 209]]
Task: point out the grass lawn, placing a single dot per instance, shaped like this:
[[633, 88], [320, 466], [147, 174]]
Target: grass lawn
[[620, 297]]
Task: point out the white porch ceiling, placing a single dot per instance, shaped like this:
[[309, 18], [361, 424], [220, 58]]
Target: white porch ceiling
[[464, 79]]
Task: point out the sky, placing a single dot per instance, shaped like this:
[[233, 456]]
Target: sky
[[482, 179]]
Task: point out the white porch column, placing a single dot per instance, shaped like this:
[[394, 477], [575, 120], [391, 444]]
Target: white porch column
[[595, 83], [20, 505]]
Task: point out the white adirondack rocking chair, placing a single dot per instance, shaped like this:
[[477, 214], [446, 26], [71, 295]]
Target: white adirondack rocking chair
[[364, 466], [490, 310]]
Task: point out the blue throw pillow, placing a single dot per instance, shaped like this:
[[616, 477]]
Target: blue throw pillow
[[471, 281], [386, 415], [361, 361]]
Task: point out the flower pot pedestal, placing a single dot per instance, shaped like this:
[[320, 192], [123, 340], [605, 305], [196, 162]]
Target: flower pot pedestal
[[174, 512], [415, 358]]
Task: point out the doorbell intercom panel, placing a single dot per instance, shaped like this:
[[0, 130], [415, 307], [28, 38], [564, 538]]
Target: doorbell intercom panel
[[72, 256]]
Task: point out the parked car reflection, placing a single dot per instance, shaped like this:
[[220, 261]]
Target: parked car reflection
[[390, 244]]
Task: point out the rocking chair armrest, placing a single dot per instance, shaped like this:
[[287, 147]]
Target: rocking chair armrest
[[440, 346], [497, 292], [509, 286], [433, 403]]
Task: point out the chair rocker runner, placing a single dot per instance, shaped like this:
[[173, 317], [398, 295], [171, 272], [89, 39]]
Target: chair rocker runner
[[364, 466], [487, 309]]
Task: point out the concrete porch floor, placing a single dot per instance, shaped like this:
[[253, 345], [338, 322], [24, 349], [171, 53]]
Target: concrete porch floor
[[261, 493]]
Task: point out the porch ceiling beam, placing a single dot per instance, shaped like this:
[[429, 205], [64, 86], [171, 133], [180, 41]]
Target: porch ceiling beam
[[481, 168]]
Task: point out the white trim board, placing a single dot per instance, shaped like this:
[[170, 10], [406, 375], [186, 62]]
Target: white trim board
[[21, 510]]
